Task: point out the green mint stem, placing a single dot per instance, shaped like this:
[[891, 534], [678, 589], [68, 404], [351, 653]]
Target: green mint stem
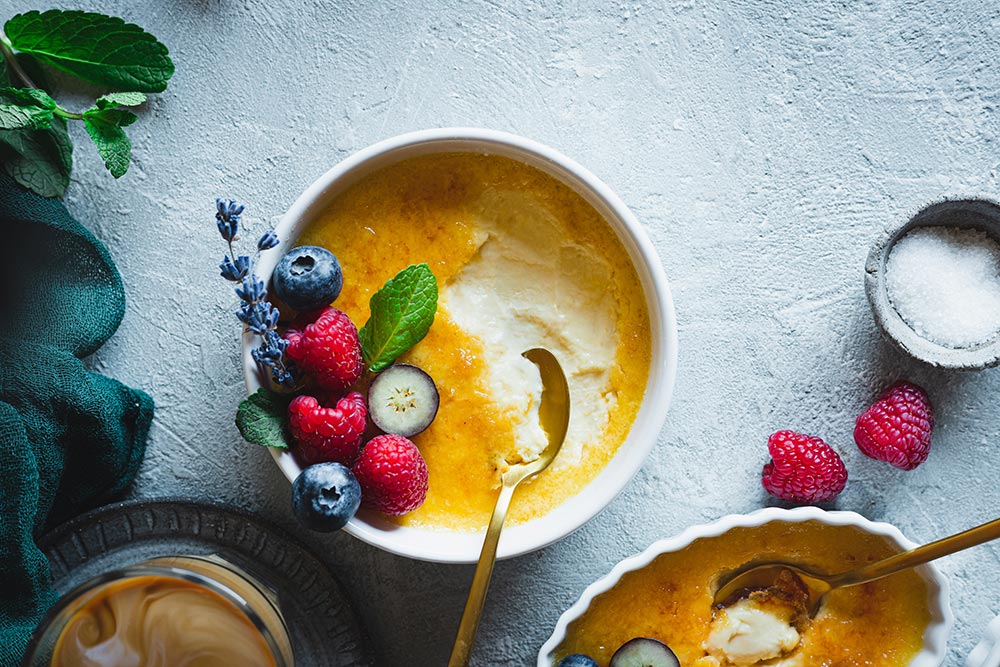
[[59, 111], [15, 67]]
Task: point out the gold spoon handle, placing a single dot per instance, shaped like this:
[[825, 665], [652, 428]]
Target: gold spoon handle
[[462, 649], [928, 552]]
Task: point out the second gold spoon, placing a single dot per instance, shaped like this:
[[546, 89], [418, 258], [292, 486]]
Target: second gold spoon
[[553, 413], [761, 575]]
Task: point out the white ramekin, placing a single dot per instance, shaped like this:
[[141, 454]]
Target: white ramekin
[[463, 547], [987, 652], [935, 636]]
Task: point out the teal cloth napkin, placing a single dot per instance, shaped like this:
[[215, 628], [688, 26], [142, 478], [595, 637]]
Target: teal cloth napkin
[[69, 438]]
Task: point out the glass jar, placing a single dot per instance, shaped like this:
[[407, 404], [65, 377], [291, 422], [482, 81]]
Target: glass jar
[[243, 606]]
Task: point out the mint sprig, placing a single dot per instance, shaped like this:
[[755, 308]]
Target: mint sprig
[[261, 419], [34, 146], [401, 314], [97, 48]]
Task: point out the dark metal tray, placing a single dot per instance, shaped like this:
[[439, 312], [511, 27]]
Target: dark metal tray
[[324, 628]]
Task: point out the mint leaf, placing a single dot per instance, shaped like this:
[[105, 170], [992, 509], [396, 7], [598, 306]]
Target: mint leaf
[[94, 47], [105, 127], [261, 419], [30, 96], [40, 160], [120, 100], [401, 314], [27, 108]]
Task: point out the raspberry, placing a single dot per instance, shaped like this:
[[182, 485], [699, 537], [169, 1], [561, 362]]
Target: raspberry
[[327, 349], [897, 428], [324, 435], [392, 474], [803, 469]]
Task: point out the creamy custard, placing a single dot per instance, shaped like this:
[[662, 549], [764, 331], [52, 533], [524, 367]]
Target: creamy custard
[[763, 625], [521, 261], [157, 621], [878, 624]]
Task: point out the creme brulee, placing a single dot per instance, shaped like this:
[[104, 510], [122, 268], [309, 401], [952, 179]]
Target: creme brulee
[[878, 624], [522, 261], [158, 621]]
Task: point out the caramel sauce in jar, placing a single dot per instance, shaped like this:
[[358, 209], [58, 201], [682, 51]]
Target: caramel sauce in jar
[[186, 611]]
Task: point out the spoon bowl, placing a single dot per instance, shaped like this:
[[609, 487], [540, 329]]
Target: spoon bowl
[[553, 414], [759, 576]]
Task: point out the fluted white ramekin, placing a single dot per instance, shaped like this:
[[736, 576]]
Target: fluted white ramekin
[[987, 652], [935, 636], [461, 546]]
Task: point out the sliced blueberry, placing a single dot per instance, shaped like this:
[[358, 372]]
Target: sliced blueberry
[[578, 660], [402, 400], [644, 652], [308, 278], [325, 496]]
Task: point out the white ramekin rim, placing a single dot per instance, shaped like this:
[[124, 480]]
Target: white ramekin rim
[[464, 547], [935, 635], [987, 652]]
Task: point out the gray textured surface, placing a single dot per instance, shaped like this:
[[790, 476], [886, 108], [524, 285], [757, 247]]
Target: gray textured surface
[[763, 145]]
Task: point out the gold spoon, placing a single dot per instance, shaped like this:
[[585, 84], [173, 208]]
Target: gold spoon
[[761, 575], [553, 413]]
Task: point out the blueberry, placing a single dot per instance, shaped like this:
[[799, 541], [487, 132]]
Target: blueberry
[[578, 660], [308, 278], [325, 496]]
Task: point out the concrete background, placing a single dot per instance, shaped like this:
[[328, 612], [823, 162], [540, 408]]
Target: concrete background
[[763, 145]]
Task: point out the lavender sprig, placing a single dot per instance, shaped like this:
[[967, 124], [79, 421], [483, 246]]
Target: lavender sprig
[[256, 312]]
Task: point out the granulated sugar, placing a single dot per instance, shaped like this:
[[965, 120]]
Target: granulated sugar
[[945, 283]]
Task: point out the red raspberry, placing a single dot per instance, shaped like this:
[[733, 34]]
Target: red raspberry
[[897, 428], [327, 349], [803, 469], [327, 434], [392, 474]]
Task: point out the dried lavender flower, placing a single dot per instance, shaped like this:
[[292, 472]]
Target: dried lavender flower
[[256, 312], [267, 240], [227, 217], [234, 269]]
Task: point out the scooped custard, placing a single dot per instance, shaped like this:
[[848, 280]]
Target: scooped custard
[[878, 624], [521, 261]]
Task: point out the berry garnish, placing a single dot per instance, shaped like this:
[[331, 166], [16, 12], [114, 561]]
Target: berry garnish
[[325, 434], [897, 428], [644, 652], [578, 660], [325, 496], [308, 278], [392, 474], [803, 469], [327, 349], [403, 400]]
